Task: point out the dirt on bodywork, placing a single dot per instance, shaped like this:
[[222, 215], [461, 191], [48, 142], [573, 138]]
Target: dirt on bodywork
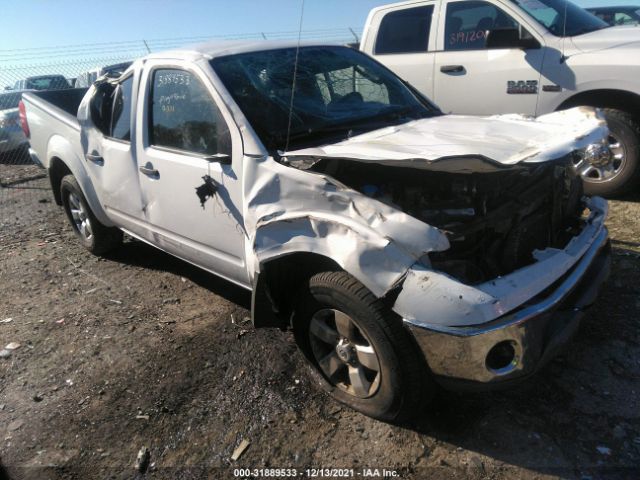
[[139, 349]]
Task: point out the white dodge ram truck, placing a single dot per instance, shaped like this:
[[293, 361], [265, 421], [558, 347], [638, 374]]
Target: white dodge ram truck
[[402, 246], [533, 57]]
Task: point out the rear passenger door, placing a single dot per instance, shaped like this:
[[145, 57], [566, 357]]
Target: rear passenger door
[[110, 161], [403, 42], [189, 162], [471, 79]]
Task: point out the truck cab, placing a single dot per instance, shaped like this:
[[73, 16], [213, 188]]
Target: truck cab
[[483, 57]]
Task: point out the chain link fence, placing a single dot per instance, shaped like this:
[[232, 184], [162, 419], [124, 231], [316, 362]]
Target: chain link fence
[[69, 66]]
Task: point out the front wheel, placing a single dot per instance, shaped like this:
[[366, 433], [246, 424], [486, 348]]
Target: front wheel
[[360, 352], [619, 171], [94, 236]]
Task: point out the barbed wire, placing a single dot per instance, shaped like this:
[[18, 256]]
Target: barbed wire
[[39, 53]]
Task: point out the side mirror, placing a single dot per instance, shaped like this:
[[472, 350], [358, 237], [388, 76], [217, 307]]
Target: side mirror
[[509, 38]]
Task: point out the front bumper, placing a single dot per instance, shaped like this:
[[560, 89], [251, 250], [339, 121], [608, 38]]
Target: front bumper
[[462, 358]]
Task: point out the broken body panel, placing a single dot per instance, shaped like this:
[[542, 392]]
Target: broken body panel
[[321, 200]]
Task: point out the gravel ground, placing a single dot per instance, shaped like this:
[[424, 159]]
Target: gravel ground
[[139, 349]]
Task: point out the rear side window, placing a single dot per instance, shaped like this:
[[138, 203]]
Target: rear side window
[[467, 24], [184, 116], [405, 31], [121, 119], [111, 109]]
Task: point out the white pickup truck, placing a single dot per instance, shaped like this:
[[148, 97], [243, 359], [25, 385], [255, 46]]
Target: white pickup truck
[[404, 247], [534, 57]]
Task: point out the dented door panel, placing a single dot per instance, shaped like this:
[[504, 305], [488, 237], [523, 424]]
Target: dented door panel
[[112, 166]]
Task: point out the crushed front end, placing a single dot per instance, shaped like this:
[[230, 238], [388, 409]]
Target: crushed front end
[[528, 253], [478, 332]]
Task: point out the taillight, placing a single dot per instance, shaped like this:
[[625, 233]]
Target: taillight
[[23, 119]]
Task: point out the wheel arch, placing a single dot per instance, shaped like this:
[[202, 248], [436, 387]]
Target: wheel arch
[[61, 165], [305, 245], [57, 171], [605, 98], [274, 286]]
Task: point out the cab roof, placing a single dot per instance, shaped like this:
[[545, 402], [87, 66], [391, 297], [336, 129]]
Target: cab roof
[[210, 50]]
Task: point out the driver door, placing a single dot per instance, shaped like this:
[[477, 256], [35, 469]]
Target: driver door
[[189, 161]]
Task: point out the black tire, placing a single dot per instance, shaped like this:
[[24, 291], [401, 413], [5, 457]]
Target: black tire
[[101, 238], [403, 386], [626, 130]]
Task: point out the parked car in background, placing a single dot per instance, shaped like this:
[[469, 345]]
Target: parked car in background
[[524, 56], [86, 79], [620, 15], [42, 82], [11, 135], [401, 245]]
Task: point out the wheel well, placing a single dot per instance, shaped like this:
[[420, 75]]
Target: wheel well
[[57, 171], [276, 285], [617, 99]]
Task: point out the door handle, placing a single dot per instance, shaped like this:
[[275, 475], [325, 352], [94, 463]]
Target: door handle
[[452, 69], [97, 159], [149, 170]]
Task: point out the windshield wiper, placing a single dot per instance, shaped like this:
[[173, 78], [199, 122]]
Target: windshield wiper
[[584, 30], [311, 134]]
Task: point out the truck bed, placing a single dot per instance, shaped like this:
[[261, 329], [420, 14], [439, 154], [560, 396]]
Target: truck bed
[[52, 114], [67, 100]]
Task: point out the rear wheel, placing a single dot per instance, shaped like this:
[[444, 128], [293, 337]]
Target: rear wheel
[[96, 237], [360, 352], [615, 173]]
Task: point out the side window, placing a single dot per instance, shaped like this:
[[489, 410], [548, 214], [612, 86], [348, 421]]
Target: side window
[[467, 23], [110, 109], [184, 116], [624, 19], [405, 31], [121, 118]]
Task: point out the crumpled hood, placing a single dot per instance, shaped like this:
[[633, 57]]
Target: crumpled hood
[[623, 36], [505, 139]]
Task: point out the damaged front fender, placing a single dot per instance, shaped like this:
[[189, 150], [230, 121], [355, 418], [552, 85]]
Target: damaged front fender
[[290, 211]]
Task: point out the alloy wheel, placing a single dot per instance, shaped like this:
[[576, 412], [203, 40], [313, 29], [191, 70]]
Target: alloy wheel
[[598, 166], [344, 354], [80, 216]]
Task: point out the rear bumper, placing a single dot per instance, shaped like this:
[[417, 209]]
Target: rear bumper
[[532, 334]]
